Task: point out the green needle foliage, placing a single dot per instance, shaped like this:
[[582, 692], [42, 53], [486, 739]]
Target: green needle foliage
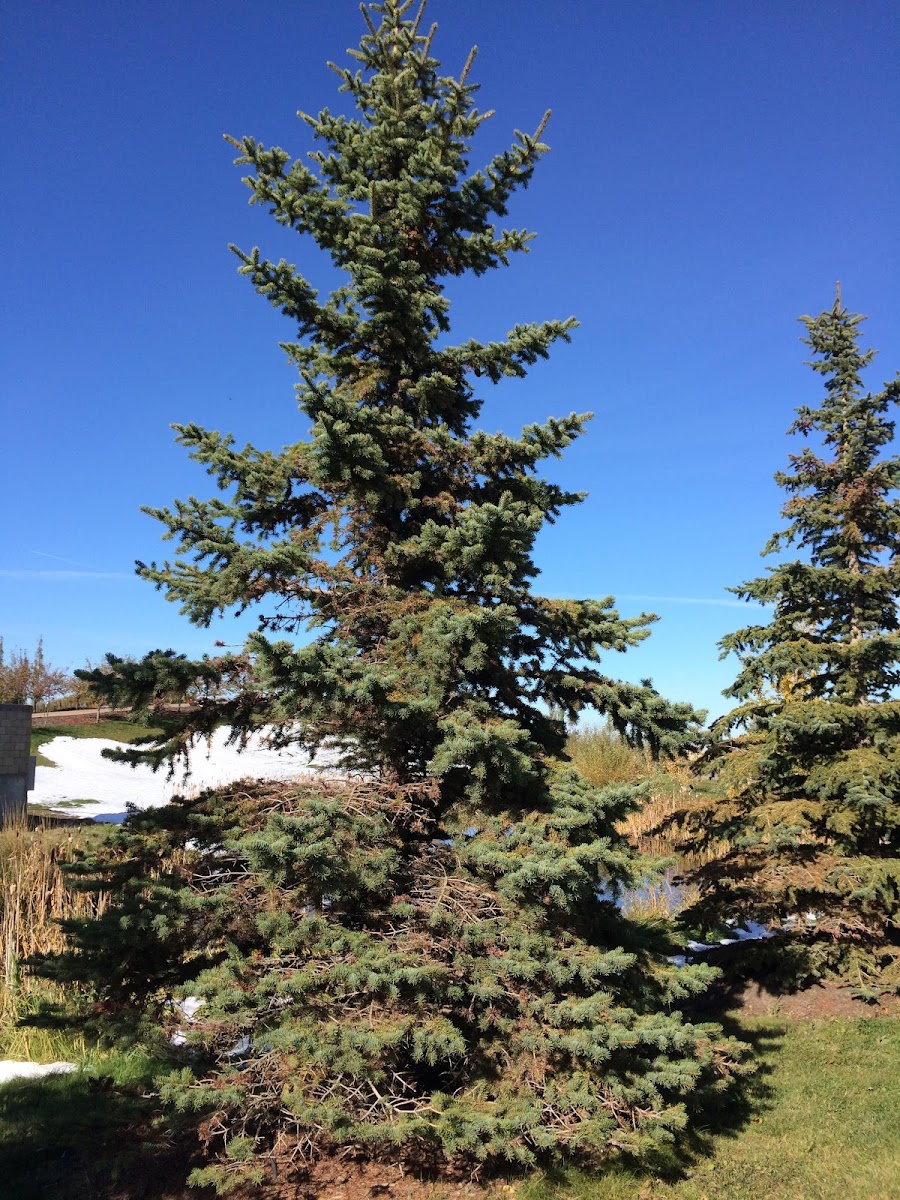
[[811, 755], [423, 955]]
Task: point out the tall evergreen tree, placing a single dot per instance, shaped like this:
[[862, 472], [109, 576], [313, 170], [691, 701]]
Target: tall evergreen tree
[[811, 755], [428, 952]]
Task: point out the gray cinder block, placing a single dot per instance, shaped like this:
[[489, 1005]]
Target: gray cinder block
[[16, 763]]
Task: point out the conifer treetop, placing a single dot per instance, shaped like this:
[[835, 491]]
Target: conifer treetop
[[391, 200], [396, 533], [834, 629]]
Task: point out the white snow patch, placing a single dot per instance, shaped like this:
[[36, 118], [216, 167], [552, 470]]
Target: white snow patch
[[241, 1046], [10, 1069], [189, 1005], [82, 774], [750, 931]]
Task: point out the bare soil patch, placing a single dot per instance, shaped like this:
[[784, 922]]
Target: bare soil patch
[[820, 1001], [340, 1179], [329, 1179]]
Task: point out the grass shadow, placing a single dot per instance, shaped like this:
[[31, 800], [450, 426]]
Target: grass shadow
[[41, 816], [85, 1136]]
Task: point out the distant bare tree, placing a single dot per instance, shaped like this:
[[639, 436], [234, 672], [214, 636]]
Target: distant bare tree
[[14, 671], [30, 679]]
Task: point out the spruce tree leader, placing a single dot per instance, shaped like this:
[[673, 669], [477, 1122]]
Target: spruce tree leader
[[425, 955]]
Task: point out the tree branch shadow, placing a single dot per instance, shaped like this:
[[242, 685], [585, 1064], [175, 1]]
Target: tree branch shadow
[[82, 1136]]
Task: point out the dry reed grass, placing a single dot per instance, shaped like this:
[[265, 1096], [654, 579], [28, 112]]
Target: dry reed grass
[[34, 895], [660, 828], [602, 757]]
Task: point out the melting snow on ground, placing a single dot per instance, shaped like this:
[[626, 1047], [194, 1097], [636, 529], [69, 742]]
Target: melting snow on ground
[[88, 785], [10, 1069]]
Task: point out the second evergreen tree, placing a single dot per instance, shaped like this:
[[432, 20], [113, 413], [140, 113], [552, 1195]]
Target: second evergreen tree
[[810, 758]]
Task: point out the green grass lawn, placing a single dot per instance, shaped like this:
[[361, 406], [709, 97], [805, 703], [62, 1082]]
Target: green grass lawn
[[824, 1124], [116, 731], [89, 1135]]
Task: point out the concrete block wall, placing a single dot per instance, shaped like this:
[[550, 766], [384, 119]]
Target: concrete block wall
[[15, 753], [15, 738]]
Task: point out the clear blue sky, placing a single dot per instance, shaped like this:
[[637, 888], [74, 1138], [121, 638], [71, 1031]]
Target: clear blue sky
[[715, 168]]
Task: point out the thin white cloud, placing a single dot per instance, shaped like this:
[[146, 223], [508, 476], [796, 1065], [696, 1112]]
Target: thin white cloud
[[58, 558], [702, 600], [706, 601], [64, 575]]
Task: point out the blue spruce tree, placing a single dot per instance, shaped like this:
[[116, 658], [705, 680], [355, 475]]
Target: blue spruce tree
[[425, 957]]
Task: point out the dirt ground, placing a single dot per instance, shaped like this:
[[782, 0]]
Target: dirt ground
[[821, 1001], [329, 1179], [342, 1180]]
